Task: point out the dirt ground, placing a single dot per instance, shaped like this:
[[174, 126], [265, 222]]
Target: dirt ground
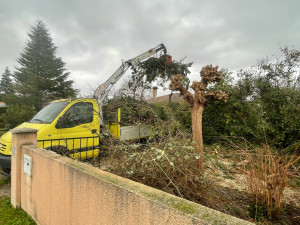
[[236, 180], [4, 189]]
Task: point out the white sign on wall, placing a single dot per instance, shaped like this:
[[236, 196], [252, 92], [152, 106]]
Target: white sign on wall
[[27, 164]]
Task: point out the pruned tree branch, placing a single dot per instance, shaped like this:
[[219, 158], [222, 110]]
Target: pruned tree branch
[[197, 102], [177, 85]]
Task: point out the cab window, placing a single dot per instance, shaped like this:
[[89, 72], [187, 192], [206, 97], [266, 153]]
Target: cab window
[[49, 113], [79, 113]]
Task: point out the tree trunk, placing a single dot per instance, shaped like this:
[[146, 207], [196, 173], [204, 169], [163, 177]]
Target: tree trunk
[[197, 112]]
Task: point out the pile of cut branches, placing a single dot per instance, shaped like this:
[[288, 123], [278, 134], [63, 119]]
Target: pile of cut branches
[[162, 69], [132, 111]]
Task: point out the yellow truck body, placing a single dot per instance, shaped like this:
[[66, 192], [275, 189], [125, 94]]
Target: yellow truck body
[[71, 126]]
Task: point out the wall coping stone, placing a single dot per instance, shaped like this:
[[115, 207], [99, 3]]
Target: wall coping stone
[[23, 130]]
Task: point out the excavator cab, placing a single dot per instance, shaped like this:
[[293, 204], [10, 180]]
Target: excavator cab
[[168, 58]]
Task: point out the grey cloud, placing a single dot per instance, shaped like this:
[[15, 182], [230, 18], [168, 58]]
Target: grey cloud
[[94, 36]]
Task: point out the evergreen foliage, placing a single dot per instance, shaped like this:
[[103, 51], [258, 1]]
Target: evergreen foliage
[[6, 82], [178, 111], [41, 76], [158, 70], [17, 114], [276, 85], [162, 70], [263, 105], [237, 118]]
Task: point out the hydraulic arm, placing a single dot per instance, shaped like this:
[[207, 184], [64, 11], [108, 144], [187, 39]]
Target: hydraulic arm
[[103, 90]]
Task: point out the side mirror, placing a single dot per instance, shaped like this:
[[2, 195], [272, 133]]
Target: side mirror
[[59, 123]]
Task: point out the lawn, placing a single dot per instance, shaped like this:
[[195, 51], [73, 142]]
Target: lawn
[[10, 215]]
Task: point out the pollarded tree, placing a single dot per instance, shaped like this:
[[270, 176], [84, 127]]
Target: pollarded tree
[[6, 82], [41, 76], [198, 101]]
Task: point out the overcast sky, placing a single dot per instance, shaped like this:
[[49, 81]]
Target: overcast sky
[[93, 36]]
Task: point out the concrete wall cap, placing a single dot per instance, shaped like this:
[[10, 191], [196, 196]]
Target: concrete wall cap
[[23, 130]]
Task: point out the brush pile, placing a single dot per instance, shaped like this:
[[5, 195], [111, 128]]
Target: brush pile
[[133, 112]]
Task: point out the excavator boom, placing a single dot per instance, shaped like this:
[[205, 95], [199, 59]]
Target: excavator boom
[[103, 90]]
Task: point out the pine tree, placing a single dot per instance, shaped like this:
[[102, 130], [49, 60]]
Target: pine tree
[[41, 76], [6, 82]]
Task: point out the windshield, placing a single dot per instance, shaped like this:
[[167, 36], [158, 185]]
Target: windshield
[[49, 113]]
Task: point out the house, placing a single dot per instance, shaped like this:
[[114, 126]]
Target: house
[[172, 97]]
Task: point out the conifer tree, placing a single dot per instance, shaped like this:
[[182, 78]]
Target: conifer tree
[[6, 82], [41, 76]]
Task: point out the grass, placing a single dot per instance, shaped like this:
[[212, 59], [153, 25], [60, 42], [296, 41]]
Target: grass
[[295, 182], [267, 177], [229, 177], [5, 181], [10, 215]]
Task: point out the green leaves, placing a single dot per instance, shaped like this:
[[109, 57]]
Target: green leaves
[[17, 114], [263, 103], [161, 70], [132, 111]]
